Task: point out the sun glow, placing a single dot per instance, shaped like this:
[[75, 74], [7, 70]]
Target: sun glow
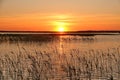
[[61, 26], [61, 23], [61, 29]]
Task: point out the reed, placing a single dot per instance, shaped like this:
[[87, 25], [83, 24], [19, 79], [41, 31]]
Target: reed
[[75, 65]]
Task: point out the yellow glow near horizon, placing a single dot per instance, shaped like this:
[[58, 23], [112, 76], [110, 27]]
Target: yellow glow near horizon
[[60, 26], [61, 23], [61, 29]]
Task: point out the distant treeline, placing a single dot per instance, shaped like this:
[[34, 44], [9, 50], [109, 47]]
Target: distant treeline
[[101, 31], [89, 31]]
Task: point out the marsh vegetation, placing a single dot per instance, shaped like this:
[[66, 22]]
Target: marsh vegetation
[[54, 57]]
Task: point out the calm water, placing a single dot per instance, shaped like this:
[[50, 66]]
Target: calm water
[[83, 50], [62, 43]]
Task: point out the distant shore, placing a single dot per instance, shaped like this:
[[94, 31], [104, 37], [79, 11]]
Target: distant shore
[[81, 33]]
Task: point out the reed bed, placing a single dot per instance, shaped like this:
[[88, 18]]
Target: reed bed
[[76, 65]]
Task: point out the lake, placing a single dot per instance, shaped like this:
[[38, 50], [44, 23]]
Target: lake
[[59, 57]]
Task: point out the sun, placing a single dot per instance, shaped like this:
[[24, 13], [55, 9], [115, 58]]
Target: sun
[[61, 23], [61, 26], [61, 29]]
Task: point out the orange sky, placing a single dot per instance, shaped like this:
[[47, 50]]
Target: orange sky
[[33, 15]]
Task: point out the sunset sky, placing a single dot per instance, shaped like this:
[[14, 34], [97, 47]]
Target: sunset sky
[[53, 15]]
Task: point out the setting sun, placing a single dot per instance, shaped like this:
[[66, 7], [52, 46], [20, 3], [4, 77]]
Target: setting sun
[[61, 29], [60, 23], [60, 26]]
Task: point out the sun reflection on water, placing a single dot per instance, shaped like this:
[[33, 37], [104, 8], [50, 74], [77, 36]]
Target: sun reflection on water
[[61, 45]]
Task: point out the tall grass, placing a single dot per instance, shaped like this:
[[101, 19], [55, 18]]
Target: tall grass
[[76, 65]]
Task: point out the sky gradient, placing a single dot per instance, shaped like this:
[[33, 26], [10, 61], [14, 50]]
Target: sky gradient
[[47, 15]]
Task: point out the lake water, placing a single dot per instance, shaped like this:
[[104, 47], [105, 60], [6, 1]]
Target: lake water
[[64, 57]]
